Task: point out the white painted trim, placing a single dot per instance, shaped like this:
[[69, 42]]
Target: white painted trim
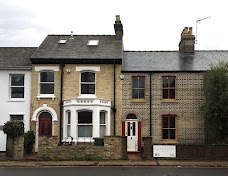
[[16, 113], [43, 68], [88, 68], [44, 108]]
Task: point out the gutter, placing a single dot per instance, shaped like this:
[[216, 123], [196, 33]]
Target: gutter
[[16, 68]]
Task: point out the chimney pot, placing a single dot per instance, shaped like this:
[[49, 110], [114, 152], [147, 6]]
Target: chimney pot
[[190, 31], [117, 17]]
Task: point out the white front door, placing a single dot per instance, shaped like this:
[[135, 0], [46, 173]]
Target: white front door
[[131, 129]]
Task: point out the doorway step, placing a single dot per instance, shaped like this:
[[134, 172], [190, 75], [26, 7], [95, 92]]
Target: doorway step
[[134, 156]]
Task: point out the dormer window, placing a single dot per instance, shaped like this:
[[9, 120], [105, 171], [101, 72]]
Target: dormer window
[[62, 41], [93, 43]]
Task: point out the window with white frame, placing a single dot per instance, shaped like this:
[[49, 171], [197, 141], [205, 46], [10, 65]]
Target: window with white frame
[[68, 124], [102, 124], [17, 86], [17, 117], [85, 124], [87, 82], [47, 82]]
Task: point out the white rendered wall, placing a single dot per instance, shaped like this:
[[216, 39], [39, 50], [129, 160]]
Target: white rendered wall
[[9, 107]]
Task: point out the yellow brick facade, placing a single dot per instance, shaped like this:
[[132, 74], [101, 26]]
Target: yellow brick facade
[[71, 87]]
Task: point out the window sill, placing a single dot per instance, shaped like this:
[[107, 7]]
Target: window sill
[[16, 100], [169, 101], [169, 141], [88, 96], [139, 100], [46, 96]]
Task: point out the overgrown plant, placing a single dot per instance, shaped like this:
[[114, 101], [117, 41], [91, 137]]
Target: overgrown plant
[[14, 128], [215, 109], [29, 141]]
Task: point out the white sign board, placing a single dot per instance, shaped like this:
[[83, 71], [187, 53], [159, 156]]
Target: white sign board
[[164, 151]]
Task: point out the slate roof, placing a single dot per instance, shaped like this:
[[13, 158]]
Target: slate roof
[[76, 48], [168, 61], [15, 57]]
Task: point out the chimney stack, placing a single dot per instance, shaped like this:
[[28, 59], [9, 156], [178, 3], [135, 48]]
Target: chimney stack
[[118, 28], [187, 42]]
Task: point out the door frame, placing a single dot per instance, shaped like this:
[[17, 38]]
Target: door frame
[[138, 120]]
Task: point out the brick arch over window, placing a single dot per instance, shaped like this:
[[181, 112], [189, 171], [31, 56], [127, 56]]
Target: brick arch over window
[[124, 116]]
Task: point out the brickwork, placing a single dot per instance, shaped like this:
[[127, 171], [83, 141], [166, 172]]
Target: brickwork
[[114, 148], [15, 148], [189, 99], [2, 156], [147, 148]]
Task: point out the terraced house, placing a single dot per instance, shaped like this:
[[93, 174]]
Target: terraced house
[[76, 86], [166, 93], [15, 89]]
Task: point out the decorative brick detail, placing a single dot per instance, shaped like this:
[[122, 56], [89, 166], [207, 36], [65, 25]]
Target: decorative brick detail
[[115, 147]]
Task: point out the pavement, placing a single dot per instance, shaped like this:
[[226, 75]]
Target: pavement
[[124, 163]]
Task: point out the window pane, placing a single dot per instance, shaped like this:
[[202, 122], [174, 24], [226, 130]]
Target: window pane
[[68, 117], [171, 81], [133, 130], [165, 93], [16, 117], [102, 131], [172, 93], [141, 82], [128, 128], [131, 116], [87, 88], [172, 122], [17, 92], [172, 134], [102, 117], [165, 122], [134, 82], [85, 131], [17, 80], [134, 93], [165, 82], [68, 131], [84, 117], [46, 88], [87, 77], [47, 77], [141, 93], [164, 134]]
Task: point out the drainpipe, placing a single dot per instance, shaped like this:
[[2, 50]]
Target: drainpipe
[[114, 95], [150, 104], [61, 104]]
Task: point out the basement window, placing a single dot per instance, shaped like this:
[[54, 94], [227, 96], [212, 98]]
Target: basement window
[[62, 41], [93, 42]]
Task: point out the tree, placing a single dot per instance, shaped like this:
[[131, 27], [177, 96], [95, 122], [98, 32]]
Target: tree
[[215, 109]]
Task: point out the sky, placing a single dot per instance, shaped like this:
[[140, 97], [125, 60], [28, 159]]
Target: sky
[[149, 25]]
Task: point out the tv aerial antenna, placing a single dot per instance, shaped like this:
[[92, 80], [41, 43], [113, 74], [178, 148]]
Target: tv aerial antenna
[[198, 21]]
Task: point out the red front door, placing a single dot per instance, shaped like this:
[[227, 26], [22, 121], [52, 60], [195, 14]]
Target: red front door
[[45, 124]]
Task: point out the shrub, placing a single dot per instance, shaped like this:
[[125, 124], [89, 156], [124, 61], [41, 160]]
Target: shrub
[[29, 141], [14, 128]]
